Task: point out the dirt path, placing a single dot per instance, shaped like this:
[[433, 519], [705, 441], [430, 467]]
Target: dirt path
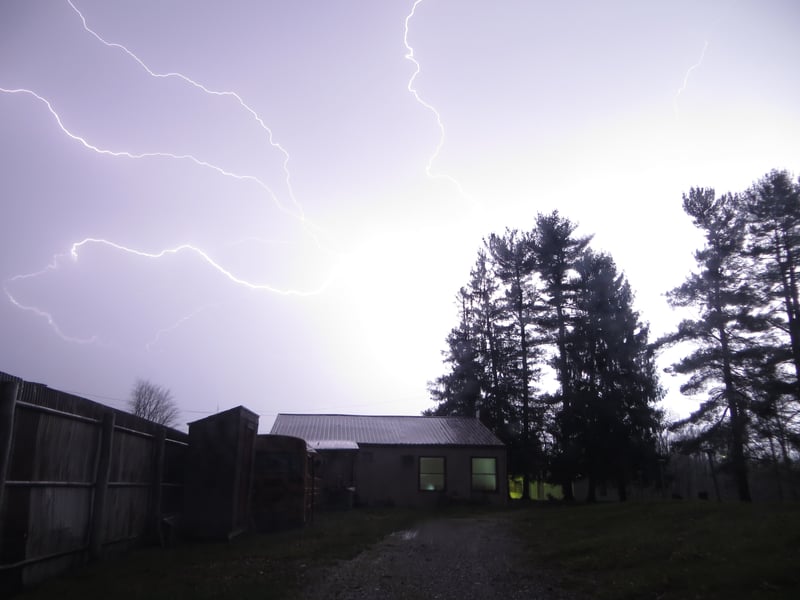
[[457, 559]]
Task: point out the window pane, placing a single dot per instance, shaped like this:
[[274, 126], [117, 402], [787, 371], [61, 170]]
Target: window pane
[[431, 465], [484, 483], [486, 466], [432, 483], [484, 474], [431, 473]]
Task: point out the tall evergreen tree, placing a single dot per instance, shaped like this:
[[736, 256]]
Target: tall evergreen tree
[[543, 298], [613, 418], [514, 270], [772, 207], [773, 213], [724, 335], [496, 351], [458, 392], [480, 357], [555, 250]]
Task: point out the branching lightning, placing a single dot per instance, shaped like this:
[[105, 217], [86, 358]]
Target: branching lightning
[[74, 253], [686, 78], [50, 321], [417, 70], [149, 345], [188, 248], [209, 91], [297, 213], [43, 313], [144, 155]]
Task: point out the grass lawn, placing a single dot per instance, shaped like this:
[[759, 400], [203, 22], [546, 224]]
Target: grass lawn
[[264, 566], [661, 550], [668, 550]]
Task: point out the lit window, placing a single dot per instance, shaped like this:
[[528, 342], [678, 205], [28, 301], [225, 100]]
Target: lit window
[[484, 474], [431, 474]]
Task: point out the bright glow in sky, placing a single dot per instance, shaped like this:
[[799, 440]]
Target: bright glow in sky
[[274, 203]]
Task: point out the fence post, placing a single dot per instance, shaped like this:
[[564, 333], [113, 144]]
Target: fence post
[[158, 478], [11, 579], [8, 400], [101, 485]]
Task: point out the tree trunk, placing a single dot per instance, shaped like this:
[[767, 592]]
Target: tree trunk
[[776, 465], [792, 307], [738, 432], [591, 494], [622, 489]]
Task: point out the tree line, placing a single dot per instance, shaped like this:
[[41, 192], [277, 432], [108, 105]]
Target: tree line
[[551, 354]]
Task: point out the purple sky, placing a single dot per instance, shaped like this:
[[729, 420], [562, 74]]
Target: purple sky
[[259, 203]]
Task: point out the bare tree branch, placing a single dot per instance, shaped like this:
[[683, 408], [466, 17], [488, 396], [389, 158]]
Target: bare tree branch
[[153, 402]]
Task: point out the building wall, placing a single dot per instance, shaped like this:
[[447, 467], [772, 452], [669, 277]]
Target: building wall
[[219, 473], [337, 477], [389, 475], [283, 482]]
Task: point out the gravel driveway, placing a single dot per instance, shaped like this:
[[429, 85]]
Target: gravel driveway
[[453, 558]]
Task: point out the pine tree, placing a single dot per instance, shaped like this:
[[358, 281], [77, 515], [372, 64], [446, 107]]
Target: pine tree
[[613, 415], [773, 212], [514, 270], [555, 250], [519, 304], [772, 208], [724, 335], [543, 299], [497, 409], [458, 392], [479, 356]]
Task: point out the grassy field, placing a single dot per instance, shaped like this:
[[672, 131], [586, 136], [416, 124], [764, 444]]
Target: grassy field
[[668, 550], [264, 566]]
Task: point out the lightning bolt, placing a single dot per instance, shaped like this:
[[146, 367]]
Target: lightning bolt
[[199, 86], [686, 78], [414, 92], [42, 313], [188, 248], [50, 321], [144, 155], [174, 326], [297, 213], [74, 253]]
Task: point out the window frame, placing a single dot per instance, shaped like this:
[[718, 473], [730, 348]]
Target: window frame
[[472, 474], [420, 474]]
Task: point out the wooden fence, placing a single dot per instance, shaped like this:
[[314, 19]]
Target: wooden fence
[[78, 480]]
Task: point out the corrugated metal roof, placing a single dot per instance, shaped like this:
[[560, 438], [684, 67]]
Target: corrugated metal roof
[[332, 445], [361, 429]]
